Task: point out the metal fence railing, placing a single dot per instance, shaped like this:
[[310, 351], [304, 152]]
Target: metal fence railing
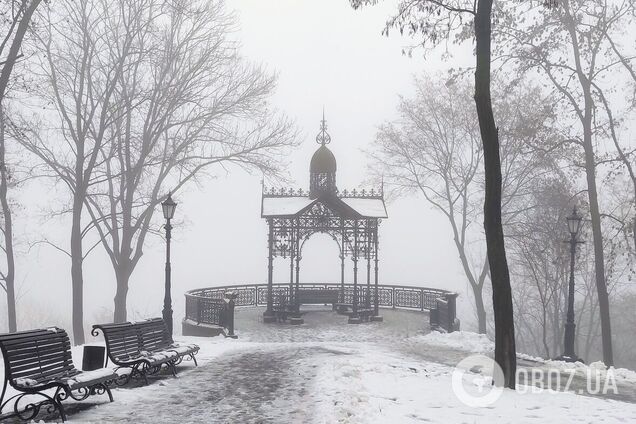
[[210, 305]]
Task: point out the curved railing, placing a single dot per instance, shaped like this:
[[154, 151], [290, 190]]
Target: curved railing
[[390, 296], [206, 305]]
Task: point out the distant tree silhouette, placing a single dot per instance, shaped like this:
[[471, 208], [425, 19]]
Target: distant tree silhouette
[[16, 15]]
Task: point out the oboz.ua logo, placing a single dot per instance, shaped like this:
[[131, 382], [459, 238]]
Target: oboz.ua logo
[[478, 381]]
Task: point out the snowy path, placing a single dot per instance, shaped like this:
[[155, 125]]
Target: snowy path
[[329, 372], [268, 375], [266, 383]]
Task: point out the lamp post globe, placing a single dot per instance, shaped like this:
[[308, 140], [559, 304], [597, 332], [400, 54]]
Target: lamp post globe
[[168, 207], [574, 222]]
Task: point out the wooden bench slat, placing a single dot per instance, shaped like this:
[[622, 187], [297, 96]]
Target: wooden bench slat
[[40, 336], [28, 352], [153, 334], [28, 334], [30, 349], [42, 359], [45, 376], [58, 358], [125, 346], [11, 346], [123, 341], [44, 371]]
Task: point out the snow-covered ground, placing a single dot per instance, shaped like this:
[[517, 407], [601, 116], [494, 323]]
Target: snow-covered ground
[[329, 372], [381, 387]]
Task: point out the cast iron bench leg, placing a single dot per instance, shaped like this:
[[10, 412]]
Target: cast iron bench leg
[[173, 369], [57, 403], [108, 392]]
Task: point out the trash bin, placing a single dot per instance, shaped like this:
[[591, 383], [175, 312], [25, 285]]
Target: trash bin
[[93, 358]]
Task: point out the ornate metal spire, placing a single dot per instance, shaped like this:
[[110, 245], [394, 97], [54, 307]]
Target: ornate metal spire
[[323, 137]]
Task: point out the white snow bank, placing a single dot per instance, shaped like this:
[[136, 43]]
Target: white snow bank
[[531, 358], [624, 374], [621, 374], [460, 340]]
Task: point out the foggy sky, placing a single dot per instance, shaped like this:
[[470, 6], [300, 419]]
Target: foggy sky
[[325, 54]]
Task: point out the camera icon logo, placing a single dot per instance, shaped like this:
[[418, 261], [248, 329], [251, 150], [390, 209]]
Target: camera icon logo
[[477, 381]]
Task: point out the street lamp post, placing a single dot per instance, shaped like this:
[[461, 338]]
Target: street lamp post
[[168, 207], [574, 225]]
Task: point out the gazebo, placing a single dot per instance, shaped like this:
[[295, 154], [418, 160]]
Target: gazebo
[[350, 218]]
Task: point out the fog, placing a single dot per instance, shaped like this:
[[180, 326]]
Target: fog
[[395, 110], [386, 211], [326, 55]]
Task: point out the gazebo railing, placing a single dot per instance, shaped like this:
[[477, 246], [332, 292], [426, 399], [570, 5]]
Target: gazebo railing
[[212, 310], [206, 305]]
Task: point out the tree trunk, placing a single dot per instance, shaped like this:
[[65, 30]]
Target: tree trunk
[[590, 172], [505, 353], [77, 278], [475, 283], [599, 258], [634, 225], [479, 306], [5, 74], [8, 231], [122, 275]]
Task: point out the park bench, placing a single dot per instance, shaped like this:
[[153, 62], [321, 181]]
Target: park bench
[[317, 296], [155, 338], [143, 347], [39, 362], [347, 309]]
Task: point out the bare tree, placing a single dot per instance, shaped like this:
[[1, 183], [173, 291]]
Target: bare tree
[[439, 21], [568, 47], [435, 149], [186, 101], [81, 90], [625, 54], [7, 276], [151, 94], [16, 16], [540, 260]]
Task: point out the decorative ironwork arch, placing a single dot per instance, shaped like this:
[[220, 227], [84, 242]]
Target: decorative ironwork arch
[[305, 238]]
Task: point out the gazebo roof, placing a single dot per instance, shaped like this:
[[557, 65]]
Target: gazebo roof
[[367, 207], [322, 161], [349, 207], [289, 203]]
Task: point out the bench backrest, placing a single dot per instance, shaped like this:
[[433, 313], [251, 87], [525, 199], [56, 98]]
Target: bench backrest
[[36, 354], [122, 340], [153, 334], [309, 296]]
